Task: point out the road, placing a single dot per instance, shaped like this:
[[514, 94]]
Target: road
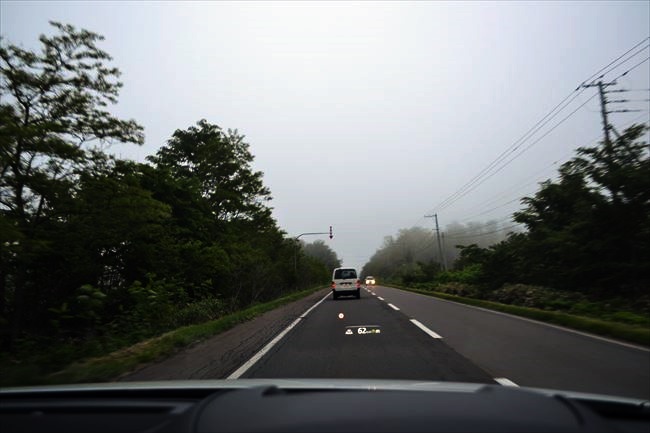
[[425, 338]]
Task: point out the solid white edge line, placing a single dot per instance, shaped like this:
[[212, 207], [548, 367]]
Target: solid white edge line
[[505, 382], [561, 328], [425, 329], [302, 316], [380, 298], [393, 307], [248, 364]]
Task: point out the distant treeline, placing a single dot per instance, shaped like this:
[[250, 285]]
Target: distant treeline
[[588, 232], [91, 245]]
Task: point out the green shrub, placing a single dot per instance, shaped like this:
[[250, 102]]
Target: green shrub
[[628, 317], [470, 274], [197, 312]]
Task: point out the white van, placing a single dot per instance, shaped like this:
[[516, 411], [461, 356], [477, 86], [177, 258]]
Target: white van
[[345, 281]]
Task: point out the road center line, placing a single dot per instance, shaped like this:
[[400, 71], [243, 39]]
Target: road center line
[[425, 329], [380, 298], [505, 382], [248, 364], [393, 307]]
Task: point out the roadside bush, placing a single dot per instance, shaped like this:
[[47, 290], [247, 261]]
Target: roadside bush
[[539, 297], [197, 312], [470, 274], [459, 289], [628, 317]]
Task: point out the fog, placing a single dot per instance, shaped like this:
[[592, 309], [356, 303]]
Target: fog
[[367, 116]]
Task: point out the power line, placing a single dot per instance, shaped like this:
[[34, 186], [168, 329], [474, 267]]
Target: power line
[[486, 233], [505, 164], [632, 68], [513, 147], [547, 118], [490, 210], [624, 61], [594, 140], [614, 61], [519, 185]]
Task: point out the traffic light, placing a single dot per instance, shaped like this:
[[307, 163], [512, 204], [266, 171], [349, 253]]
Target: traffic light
[[331, 235]]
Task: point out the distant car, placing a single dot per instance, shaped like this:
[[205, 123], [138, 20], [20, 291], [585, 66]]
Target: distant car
[[370, 280], [345, 282]]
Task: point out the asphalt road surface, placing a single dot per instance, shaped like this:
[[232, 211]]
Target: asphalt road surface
[[394, 334]]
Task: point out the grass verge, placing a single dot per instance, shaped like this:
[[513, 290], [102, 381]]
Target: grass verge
[[111, 366], [622, 331]]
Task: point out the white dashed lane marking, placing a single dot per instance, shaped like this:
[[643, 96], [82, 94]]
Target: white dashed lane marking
[[424, 328], [380, 298], [393, 307], [505, 382]]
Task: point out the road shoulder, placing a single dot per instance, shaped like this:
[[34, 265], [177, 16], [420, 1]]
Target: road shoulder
[[218, 356]]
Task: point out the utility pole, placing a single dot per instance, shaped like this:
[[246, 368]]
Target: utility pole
[[442, 257], [603, 105]]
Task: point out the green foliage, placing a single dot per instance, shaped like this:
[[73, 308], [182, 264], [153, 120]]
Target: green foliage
[[417, 245], [588, 234], [92, 362], [218, 164], [52, 110], [470, 274], [97, 252], [84, 308], [591, 229], [320, 251]]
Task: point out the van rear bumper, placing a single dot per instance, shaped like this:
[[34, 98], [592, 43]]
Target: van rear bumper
[[345, 291]]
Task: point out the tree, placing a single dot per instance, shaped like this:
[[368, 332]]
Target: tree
[[591, 229], [53, 121], [412, 245], [320, 251], [220, 162], [219, 201]]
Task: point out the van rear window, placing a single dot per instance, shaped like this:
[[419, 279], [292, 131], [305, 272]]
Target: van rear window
[[343, 274]]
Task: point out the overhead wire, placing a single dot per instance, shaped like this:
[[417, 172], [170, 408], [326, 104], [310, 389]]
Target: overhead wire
[[505, 164], [485, 233], [616, 60], [466, 188], [477, 181], [519, 186], [632, 68], [624, 62], [513, 147], [492, 209]]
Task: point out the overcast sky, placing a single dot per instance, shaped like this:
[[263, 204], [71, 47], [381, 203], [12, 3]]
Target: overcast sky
[[366, 116]]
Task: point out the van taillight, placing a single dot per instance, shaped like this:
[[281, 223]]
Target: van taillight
[[358, 284], [333, 285]]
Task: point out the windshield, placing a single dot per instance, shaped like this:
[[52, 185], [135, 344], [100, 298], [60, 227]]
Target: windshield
[[186, 187], [340, 274]]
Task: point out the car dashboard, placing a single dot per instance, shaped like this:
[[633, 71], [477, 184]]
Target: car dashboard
[[313, 405]]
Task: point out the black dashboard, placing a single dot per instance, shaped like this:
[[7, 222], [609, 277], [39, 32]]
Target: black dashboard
[[228, 406]]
